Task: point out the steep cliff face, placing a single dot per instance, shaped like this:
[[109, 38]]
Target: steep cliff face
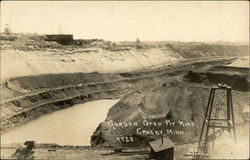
[[23, 61]]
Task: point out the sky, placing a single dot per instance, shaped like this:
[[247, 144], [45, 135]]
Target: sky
[[127, 20]]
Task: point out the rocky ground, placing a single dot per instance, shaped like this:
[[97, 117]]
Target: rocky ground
[[53, 151]]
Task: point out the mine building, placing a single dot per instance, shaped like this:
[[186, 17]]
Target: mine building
[[162, 149], [64, 39]]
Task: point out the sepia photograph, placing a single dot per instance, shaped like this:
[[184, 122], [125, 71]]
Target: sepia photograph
[[124, 80]]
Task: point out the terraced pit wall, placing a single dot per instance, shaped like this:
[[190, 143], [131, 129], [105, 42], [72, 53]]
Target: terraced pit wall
[[27, 97]]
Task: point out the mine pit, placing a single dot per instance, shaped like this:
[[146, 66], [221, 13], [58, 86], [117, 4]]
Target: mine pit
[[87, 104]]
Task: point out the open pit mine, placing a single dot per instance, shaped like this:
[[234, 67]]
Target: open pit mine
[[96, 99]]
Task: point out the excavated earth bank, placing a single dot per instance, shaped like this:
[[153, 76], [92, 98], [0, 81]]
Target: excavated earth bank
[[173, 101], [26, 98], [173, 85], [36, 90]]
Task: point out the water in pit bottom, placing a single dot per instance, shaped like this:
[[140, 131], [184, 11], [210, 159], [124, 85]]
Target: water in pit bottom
[[70, 126]]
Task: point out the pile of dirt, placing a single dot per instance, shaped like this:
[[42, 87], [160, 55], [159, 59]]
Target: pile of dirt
[[174, 101]]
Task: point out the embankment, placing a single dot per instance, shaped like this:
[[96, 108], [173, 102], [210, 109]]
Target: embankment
[[175, 110], [20, 60]]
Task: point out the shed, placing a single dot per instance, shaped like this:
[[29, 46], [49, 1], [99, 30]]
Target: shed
[[64, 39], [162, 149], [30, 144]]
